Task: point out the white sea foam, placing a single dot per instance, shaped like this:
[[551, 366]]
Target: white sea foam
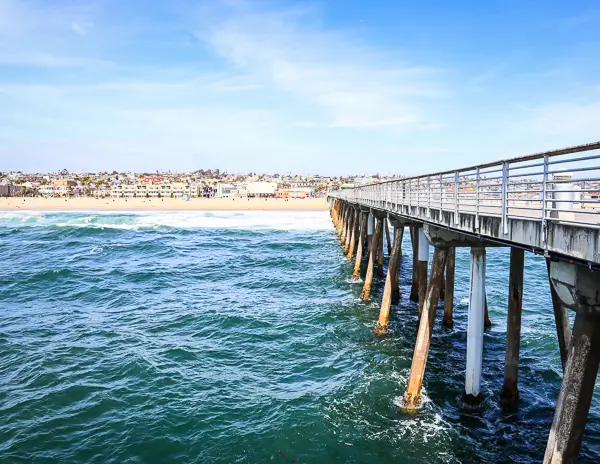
[[279, 220]]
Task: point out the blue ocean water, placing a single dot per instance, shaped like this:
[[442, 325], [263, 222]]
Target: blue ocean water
[[237, 337]]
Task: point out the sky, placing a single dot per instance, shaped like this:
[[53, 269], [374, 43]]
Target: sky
[[331, 87]]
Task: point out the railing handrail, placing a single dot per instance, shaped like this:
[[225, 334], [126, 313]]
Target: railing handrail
[[518, 159]]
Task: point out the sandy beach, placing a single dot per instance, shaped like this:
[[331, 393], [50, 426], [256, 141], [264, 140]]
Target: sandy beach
[[161, 204]]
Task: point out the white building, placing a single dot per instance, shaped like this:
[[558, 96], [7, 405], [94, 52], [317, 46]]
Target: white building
[[261, 189]]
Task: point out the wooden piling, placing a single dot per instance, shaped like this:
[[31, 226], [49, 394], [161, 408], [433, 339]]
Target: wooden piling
[[576, 391], [510, 393], [380, 256], [355, 229], [561, 318], [387, 236], [487, 323], [395, 278], [412, 396], [449, 297], [392, 275], [349, 230], [414, 289], [361, 244], [366, 291], [423, 247]]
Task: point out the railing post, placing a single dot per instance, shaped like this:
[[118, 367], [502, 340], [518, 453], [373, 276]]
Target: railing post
[[504, 197], [441, 193], [544, 200], [456, 197], [477, 199], [428, 197]]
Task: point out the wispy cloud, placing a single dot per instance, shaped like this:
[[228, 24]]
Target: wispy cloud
[[354, 86]]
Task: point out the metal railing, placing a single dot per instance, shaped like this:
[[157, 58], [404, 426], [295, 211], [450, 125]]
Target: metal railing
[[560, 185]]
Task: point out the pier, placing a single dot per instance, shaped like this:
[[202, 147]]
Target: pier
[[547, 204]]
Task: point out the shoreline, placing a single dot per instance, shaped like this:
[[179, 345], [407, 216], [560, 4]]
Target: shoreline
[[162, 204]]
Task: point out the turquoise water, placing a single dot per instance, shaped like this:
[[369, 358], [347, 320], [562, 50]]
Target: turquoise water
[[237, 338]]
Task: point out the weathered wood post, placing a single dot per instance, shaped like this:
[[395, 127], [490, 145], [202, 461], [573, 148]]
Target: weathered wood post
[[412, 396], [349, 229], [472, 396], [370, 226], [355, 231], [422, 268], [576, 391], [380, 255], [510, 392], [366, 291], [449, 297], [392, 275], [577, 287], [398, 230], [387, 236], [345, 224], [414, 289], [487, 323], [361, 244], [561, 318]]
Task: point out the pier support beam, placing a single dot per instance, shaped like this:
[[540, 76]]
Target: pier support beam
[[561, 318], [366, 291], [361, 244], [414, 289], [370, 227], [412, 396], [387, 236], [472, 396], [391, 281], [422, 268], [398, 231], [342, 221], [449, 297], [576, 391], [510, 392], [577, 288], [349, 229], [380, 255], [355, 232]]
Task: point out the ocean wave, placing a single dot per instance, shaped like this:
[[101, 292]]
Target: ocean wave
[[278, 220]]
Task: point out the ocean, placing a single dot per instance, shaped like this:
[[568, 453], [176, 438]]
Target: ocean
[[238, 337]]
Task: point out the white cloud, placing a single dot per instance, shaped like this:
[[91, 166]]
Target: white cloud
[[354, 86]]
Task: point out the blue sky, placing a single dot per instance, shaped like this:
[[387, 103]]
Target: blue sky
[[333, 87]]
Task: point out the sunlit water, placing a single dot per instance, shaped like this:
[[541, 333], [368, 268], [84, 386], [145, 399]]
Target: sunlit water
[[237, 337]]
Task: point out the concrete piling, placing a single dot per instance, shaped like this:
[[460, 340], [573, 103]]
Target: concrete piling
[[370, 227], [349, 229], [361, 244], [449, 297], [472, 395], [510, 393], [414, 289], [392, 277], [395, 278], [380, 256], [412, 396], [423, 256], [561, 318], [576, 391], [355, 231], [387, 236], [366, 291]]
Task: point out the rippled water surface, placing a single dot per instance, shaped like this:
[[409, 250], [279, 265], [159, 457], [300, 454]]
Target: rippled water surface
[[237, 337]]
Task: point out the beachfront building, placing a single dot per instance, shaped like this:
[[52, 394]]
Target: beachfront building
[[227, 190], [261, 189], [63, 188]]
